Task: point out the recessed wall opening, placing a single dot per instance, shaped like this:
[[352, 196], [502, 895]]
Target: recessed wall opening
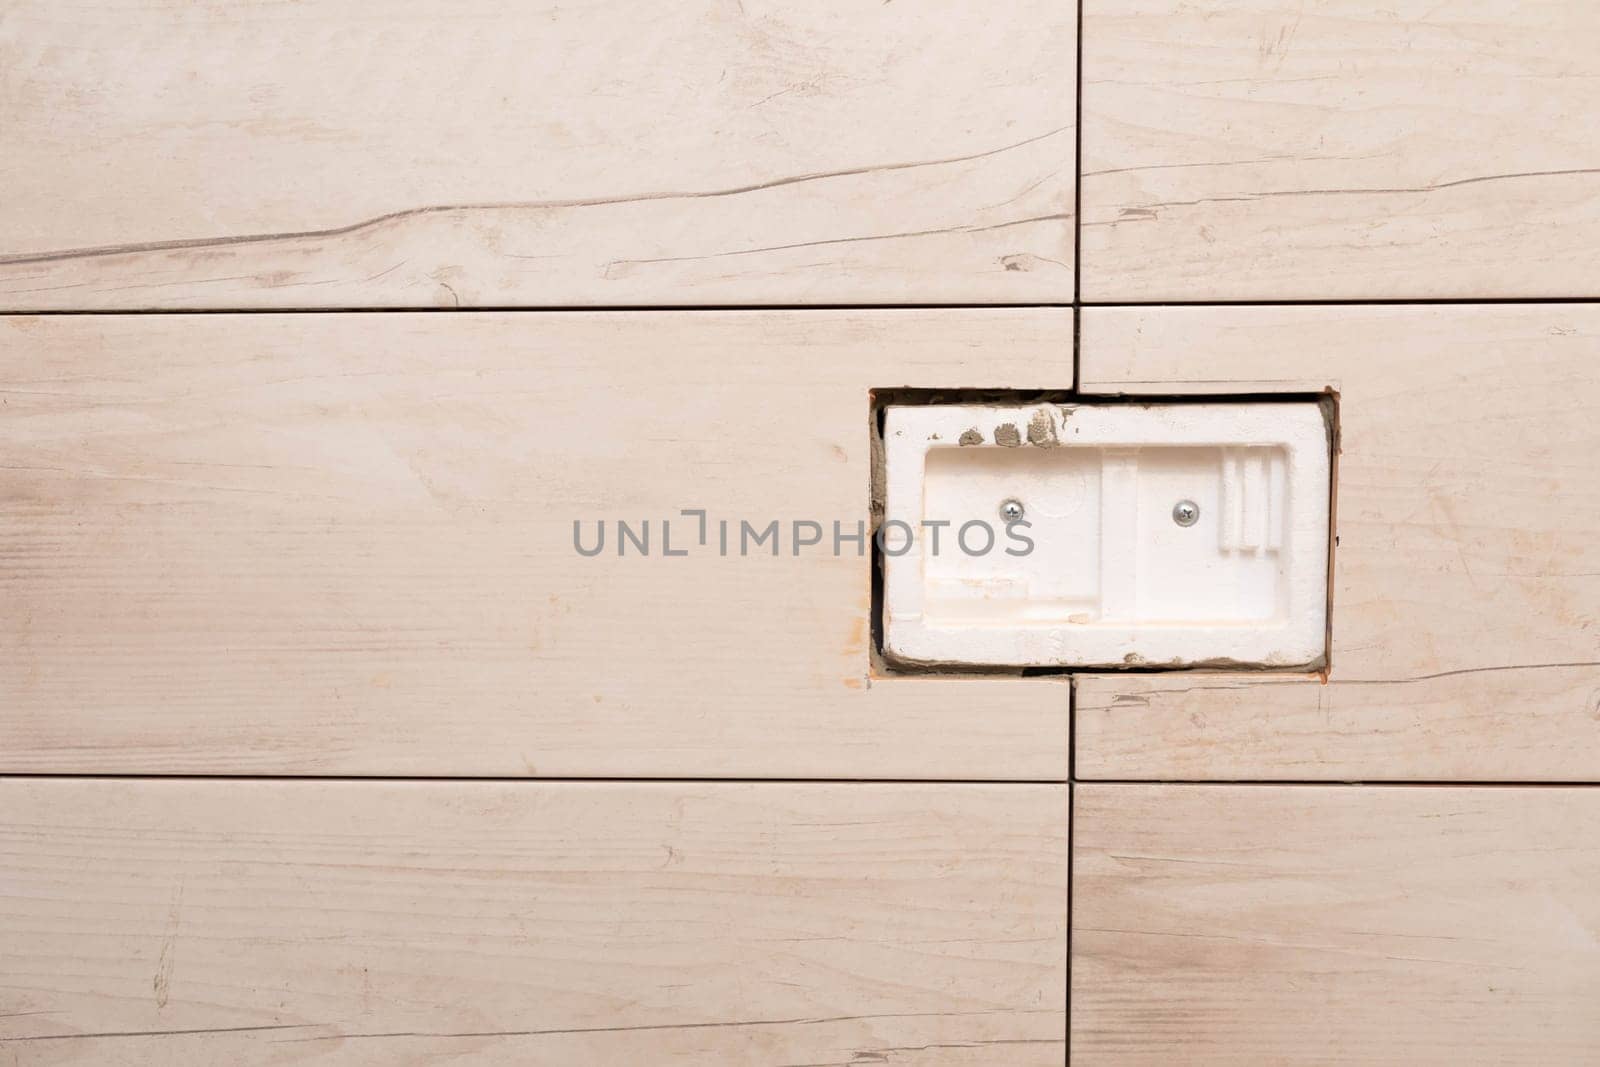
[[1037, 532]]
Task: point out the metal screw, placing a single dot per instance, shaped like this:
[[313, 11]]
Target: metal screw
[[1186, 513], [1011, 510]]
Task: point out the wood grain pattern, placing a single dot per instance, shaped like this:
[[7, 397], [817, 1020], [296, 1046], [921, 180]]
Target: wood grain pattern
[[1334, 925], [606, 152], [251, 922], [266, 544], [1273, 149], [1466, 592]]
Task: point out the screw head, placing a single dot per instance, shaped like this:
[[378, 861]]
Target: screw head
[[1011, 510], [1186, 513]]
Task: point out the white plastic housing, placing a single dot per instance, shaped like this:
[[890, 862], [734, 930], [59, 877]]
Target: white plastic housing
[[1112, 579]]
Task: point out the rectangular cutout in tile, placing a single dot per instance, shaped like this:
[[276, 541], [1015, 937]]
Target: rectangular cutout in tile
[[1039, 535]]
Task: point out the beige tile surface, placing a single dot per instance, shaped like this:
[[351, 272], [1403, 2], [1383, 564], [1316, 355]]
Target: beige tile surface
[[439, 154], [1274, 149], [248, 922], [341, 544], [1335, 925]]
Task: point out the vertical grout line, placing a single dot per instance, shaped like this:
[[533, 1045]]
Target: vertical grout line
[[1072, 807], [1077, 205], [1072, 727], [1077, 340], [1072, 804], [1077, 379]]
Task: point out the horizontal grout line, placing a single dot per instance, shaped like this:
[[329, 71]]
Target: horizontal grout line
[[759, 308], [534, 309], [1464, 301], [1369, 783], [68, 776]]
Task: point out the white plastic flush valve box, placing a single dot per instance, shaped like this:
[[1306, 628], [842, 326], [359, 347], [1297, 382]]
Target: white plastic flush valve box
[[1152, 535]]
